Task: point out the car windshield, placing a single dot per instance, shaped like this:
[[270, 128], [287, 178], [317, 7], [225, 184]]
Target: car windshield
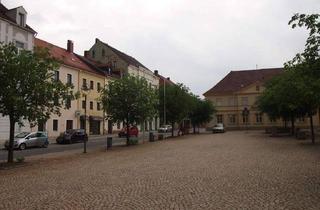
[[219, 125], [22, 135], [70, 131]]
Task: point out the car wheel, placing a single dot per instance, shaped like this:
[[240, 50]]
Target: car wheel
[[22, 146]]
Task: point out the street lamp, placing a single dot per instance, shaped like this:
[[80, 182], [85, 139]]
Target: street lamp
[[85, 89]]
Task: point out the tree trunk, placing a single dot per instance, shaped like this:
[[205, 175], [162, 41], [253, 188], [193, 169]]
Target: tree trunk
[[128, 134], [312, 130], [194, 128], [11, 139], [172, 130], [292, 126]]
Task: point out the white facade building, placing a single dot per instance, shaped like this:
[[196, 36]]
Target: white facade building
[[13, 28]]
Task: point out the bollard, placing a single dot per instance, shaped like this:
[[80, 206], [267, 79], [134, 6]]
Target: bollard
[[109, 142], [151, 137]]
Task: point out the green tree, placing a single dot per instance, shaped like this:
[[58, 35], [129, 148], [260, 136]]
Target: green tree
[[28, 91], [130, 100], [201, 112], [306, 65], [177, 103]]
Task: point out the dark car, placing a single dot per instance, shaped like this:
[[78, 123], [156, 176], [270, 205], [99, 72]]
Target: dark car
[[72, 136], [133, 131]]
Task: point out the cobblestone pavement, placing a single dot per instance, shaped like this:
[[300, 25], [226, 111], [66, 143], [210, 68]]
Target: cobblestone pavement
[[235, 170]]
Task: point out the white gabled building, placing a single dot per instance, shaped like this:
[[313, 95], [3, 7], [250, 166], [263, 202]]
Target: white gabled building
[[14, 28]]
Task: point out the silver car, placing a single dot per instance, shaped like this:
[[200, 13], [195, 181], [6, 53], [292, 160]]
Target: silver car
[[28, 139], [218, 128], [165, 129]]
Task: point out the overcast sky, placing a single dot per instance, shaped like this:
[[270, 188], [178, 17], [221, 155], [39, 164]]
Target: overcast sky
[[193, 42]]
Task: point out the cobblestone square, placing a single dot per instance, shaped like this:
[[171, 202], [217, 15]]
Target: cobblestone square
[[235, 170]]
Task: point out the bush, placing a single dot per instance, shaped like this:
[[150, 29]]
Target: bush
[[20, 159], [133, 141]]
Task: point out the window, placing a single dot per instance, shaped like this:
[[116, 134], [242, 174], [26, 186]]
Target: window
[[19, 45], [91, 105], [219, 118], [91, 85], [244, 101], [56, 101], [84, 105], [69, 79], [245, 119], [98, 86], [98, 106], [68, 103], [84, 84], [103, 52], [301, 119], [69, 124], [258, 88], [55, 125], [219, 101], [231, 101], [232, 119], [56, 76], [118, 125], [258, 117], [93, 53], [21, 17]]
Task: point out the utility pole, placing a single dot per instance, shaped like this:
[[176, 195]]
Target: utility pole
[[85, 125], [164, 102]]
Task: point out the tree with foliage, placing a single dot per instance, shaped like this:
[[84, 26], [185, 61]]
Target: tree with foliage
[[306, 65], [130, 100], [201, 111], [28, 91], [177, 103]]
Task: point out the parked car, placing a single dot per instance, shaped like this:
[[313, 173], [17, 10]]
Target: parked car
[[29, 139], [165, 129], [218, 128], [71, 136], [133, 131]]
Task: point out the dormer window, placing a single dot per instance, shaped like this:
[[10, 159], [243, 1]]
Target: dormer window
[[22, 19]]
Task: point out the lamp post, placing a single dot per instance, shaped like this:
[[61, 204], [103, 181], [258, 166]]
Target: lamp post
[[245, 114], [85, 89]]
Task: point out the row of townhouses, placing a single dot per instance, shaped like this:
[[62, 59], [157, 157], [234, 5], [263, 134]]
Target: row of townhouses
[[239, 91], [88, 73]]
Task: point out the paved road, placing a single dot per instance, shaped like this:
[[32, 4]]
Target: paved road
[[93, 143], [235, 170]]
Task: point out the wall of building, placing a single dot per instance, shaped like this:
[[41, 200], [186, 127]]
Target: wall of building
[[93, 96], [230, 108], [13, 33], [66, 114]]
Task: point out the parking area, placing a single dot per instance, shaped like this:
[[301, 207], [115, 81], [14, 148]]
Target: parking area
[[234, 170]]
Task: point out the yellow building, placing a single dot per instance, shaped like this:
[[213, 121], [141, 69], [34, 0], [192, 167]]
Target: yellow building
[[239, 91], [88, 80]]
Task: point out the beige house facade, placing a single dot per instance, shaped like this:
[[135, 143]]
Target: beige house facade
[[239, 91]]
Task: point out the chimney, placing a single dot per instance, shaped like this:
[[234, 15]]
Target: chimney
[[168, 78], [97, 40], [156, 72], [86, 54], [70, 46]]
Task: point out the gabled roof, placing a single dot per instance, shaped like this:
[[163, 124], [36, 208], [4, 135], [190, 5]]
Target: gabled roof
[[65, 57], [237, 80], [4, 10], [163, 80], [127, 58]]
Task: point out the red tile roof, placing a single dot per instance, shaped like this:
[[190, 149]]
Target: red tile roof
[[65, 57], [236, 80], [4, 10]]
